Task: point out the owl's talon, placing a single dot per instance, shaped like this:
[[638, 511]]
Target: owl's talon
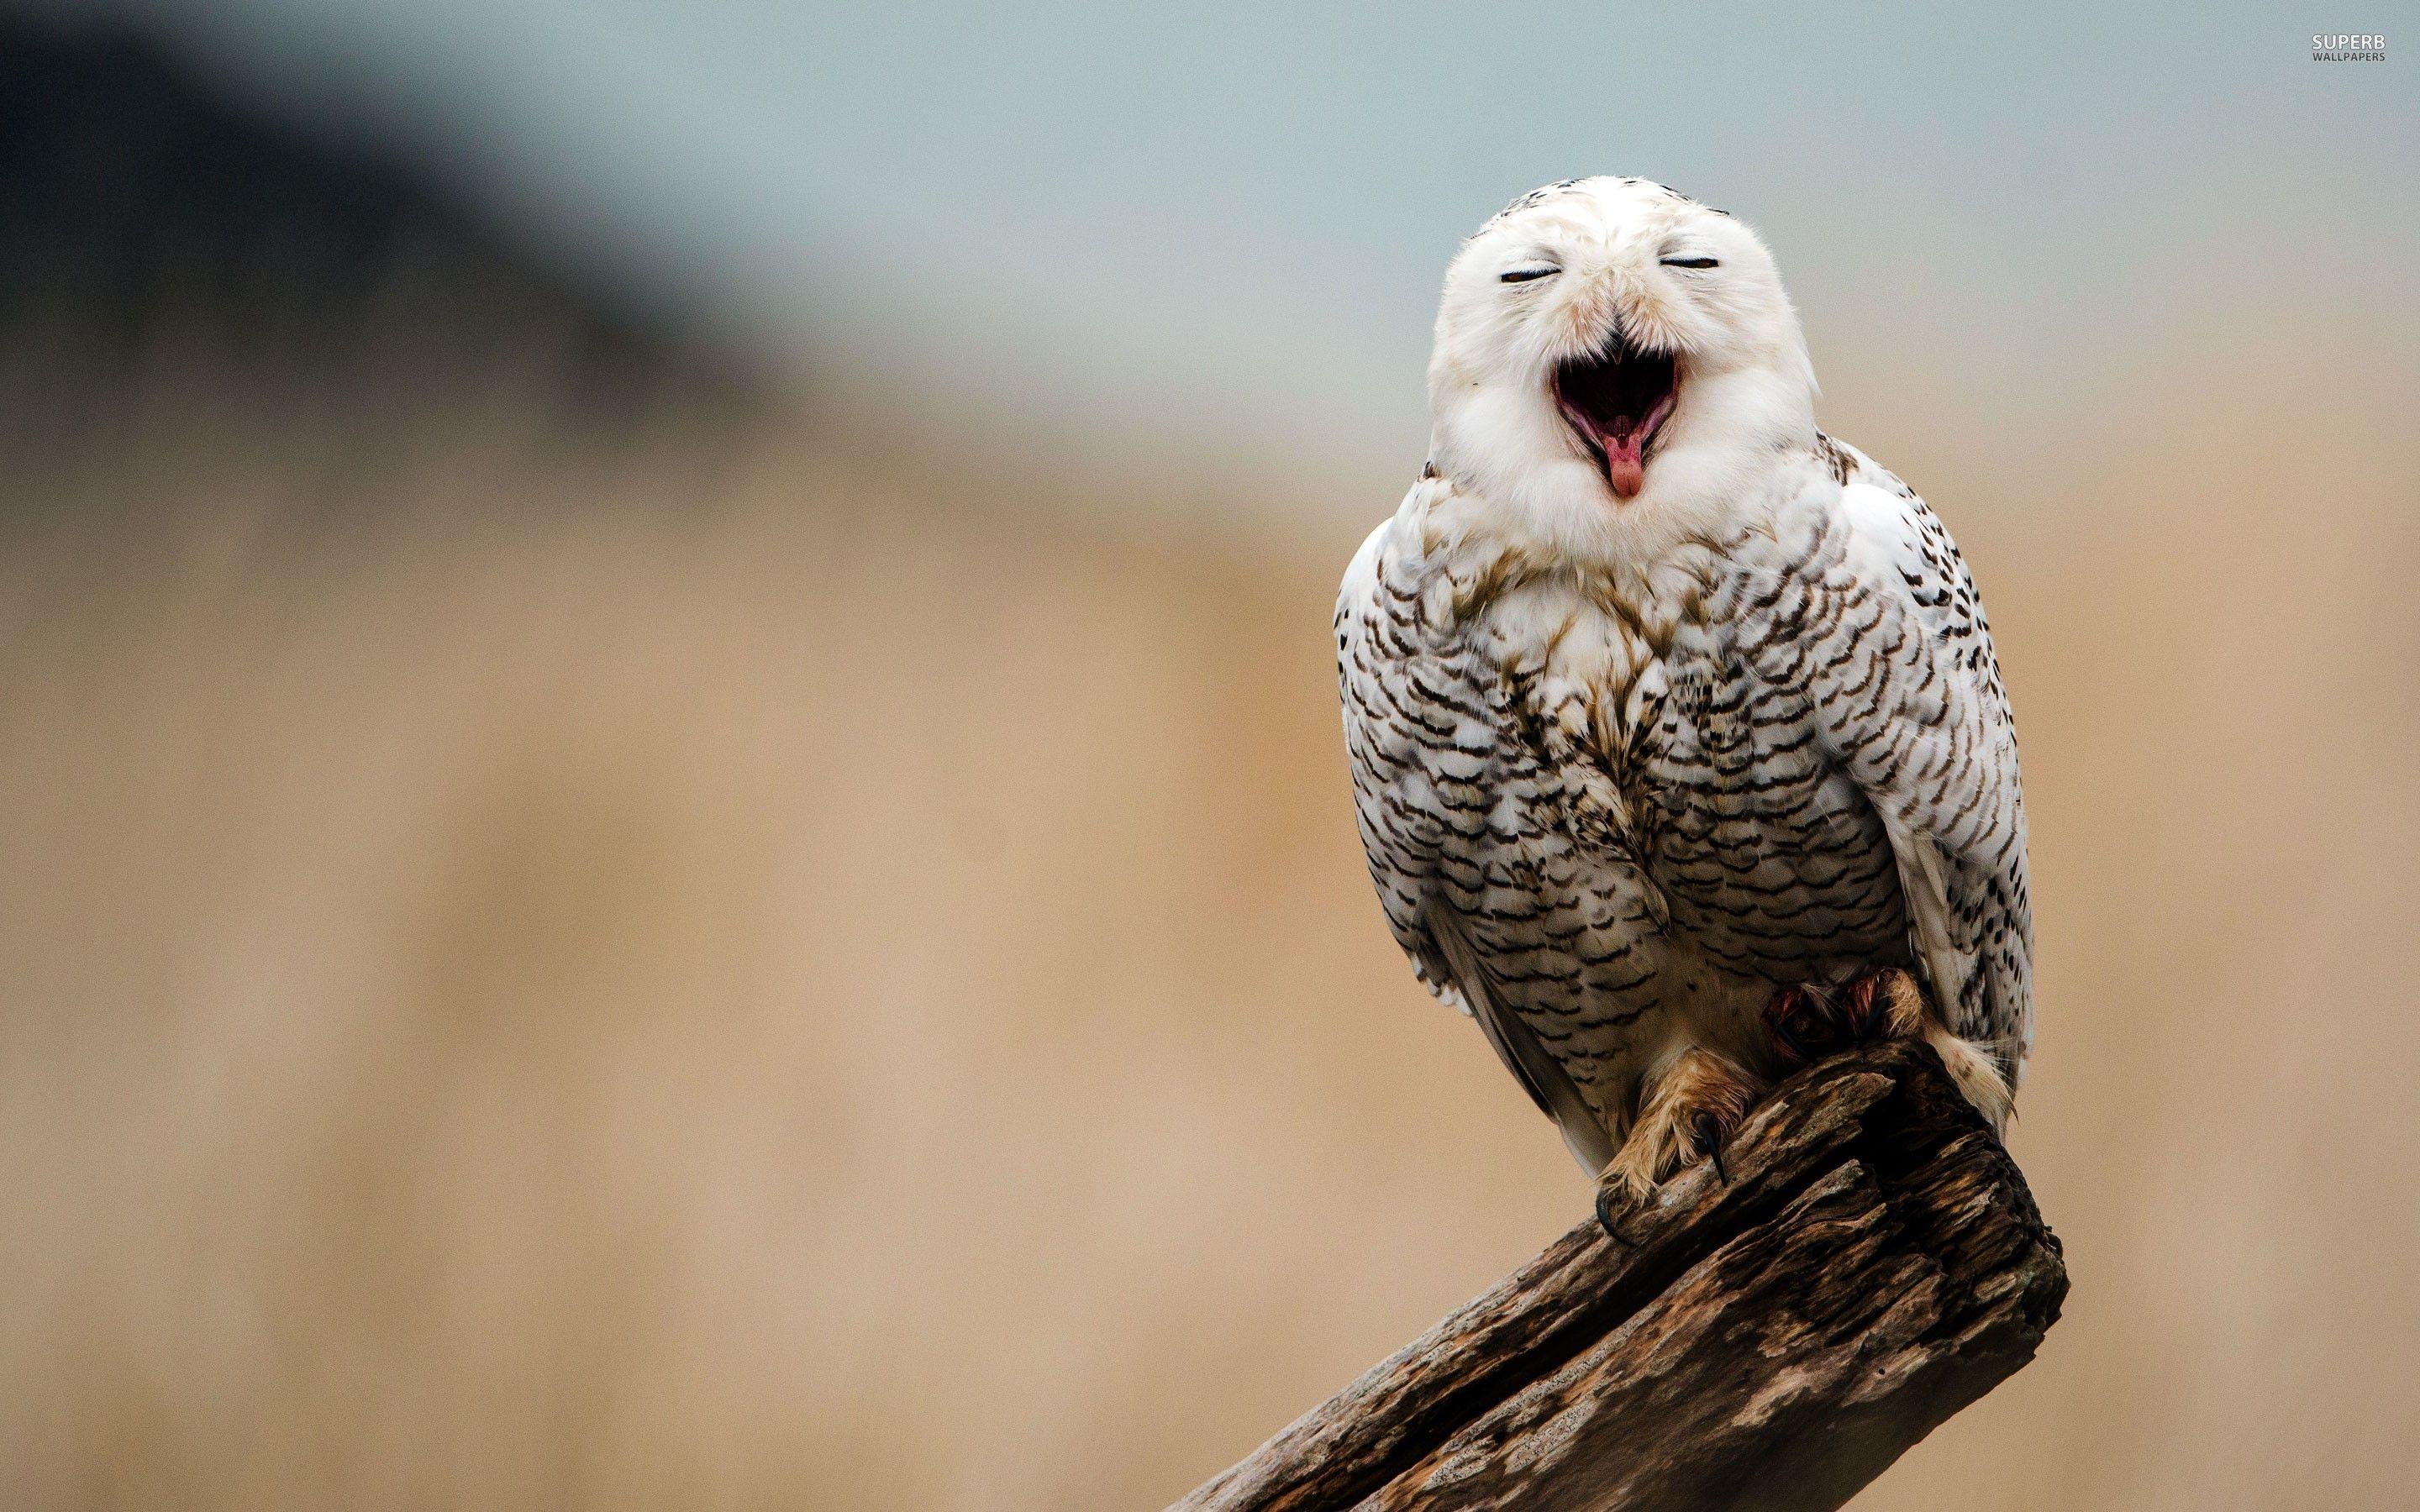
[[1708, 1132], [1605, 1215], [1620, 1197], [1616, 1203]]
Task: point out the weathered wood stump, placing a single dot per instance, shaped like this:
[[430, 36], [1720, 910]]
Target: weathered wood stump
[[1873, 1263]]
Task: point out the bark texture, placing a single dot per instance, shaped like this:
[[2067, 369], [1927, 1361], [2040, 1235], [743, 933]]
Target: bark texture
[[1872, 1264]]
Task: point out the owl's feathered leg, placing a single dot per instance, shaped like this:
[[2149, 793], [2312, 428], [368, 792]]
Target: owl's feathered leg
[[1689, 1109], [1810, 1022]]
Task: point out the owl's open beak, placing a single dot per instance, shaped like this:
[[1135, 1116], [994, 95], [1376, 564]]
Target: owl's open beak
[[1615, 401]]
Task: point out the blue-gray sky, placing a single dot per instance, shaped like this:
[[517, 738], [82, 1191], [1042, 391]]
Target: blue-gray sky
[[1185, 224]]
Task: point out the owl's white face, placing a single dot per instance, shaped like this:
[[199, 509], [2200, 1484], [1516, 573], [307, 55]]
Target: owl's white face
[[1612, 345]]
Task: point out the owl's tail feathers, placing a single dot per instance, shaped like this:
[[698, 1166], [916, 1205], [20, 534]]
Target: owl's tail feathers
[[1977, 1074], [1972, 1067]]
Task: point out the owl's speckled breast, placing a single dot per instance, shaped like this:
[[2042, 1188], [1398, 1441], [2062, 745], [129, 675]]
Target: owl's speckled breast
[[1776, 865], [1674, 758]]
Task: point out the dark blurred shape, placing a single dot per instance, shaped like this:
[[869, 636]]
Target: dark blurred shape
[[138, 203]]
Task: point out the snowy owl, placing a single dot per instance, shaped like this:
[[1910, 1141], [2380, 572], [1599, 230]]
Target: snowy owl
[[1679, 748]]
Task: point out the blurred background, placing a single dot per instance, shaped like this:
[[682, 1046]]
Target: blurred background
[[675, 833]]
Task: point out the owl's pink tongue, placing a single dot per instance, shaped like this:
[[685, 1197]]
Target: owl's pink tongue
[[1623, 440], [1625, 458]]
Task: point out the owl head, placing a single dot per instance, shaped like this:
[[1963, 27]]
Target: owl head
[[1610, 345]]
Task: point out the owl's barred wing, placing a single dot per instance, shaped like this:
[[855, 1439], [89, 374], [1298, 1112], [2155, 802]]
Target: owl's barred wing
[[1908, 698], [1538, 1072]]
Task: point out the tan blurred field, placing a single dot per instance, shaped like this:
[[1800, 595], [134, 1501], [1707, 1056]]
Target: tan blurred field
[[696, 973]]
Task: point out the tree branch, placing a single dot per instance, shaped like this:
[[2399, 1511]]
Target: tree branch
[[1873, 1264]]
